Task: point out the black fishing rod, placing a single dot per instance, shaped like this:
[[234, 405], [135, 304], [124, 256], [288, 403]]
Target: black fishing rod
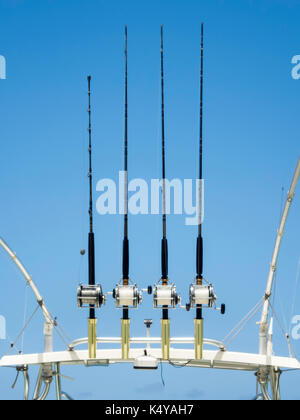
[[165, 294], [126, 295], [91, 232], [125, 239], [199, 257], [164, 244], [201, 295], [91, 295]]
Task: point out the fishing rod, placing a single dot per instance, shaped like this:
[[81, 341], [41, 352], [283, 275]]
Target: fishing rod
[[201, 294], [126, 294], [164, 244], [125, 240], [165, 295], [91, 295], [125, 322], [199, 257], [91, 232]]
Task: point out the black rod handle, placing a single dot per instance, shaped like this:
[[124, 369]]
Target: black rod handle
[[91, 259], [92, 281], [199, 257], [126, 259], [164, 258]]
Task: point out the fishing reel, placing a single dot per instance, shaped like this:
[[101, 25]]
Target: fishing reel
[[165, 296], [90, 296], [129, 295], [205, 296]]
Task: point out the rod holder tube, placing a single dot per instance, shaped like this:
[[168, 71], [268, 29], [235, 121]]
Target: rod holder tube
[[125, 336], [92, 329], [165, 339], [199, 339]]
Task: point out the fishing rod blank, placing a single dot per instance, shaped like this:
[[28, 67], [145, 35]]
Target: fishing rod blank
[[91, 295], [165, 295], [125, 240], [199, 257], [164, 246], [201, 295], [125, 294]]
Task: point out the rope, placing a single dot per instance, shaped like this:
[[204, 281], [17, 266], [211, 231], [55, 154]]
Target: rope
[[23, 329], [66, 377], [245, 324], [25, 314], [62, 334], [295, 294], [286, 335], [239, 327], [55, 325], [283, 313]]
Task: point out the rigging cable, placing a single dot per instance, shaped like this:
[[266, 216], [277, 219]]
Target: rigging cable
[[57, 327], [243, 323], [25, 314], [295, 294], [286, 335], [23, 329]]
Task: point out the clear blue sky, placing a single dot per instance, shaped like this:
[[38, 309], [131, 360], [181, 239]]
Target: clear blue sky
[[251, 149]]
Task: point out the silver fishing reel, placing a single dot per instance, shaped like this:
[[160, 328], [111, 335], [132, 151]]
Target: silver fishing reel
[[165, 295], [205, 296], [129, 295], [90, 296], [202, 295]]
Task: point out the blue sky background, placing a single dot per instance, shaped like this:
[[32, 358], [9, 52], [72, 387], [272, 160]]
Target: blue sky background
[[251, 149]]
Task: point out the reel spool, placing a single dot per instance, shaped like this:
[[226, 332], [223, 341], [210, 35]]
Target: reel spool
[[90, 296], [127, 295], [165, 296]]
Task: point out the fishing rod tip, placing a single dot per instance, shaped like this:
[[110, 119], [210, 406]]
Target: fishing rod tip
[[89, 77]]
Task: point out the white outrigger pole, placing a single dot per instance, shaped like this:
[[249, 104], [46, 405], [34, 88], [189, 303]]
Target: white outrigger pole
[[45, 374], [265, 313], [268, 373], [30, 282]]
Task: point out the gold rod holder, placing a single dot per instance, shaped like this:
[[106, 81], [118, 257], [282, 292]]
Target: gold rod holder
[[125, 333], [165, 339], [92, 326], [199, 339]]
